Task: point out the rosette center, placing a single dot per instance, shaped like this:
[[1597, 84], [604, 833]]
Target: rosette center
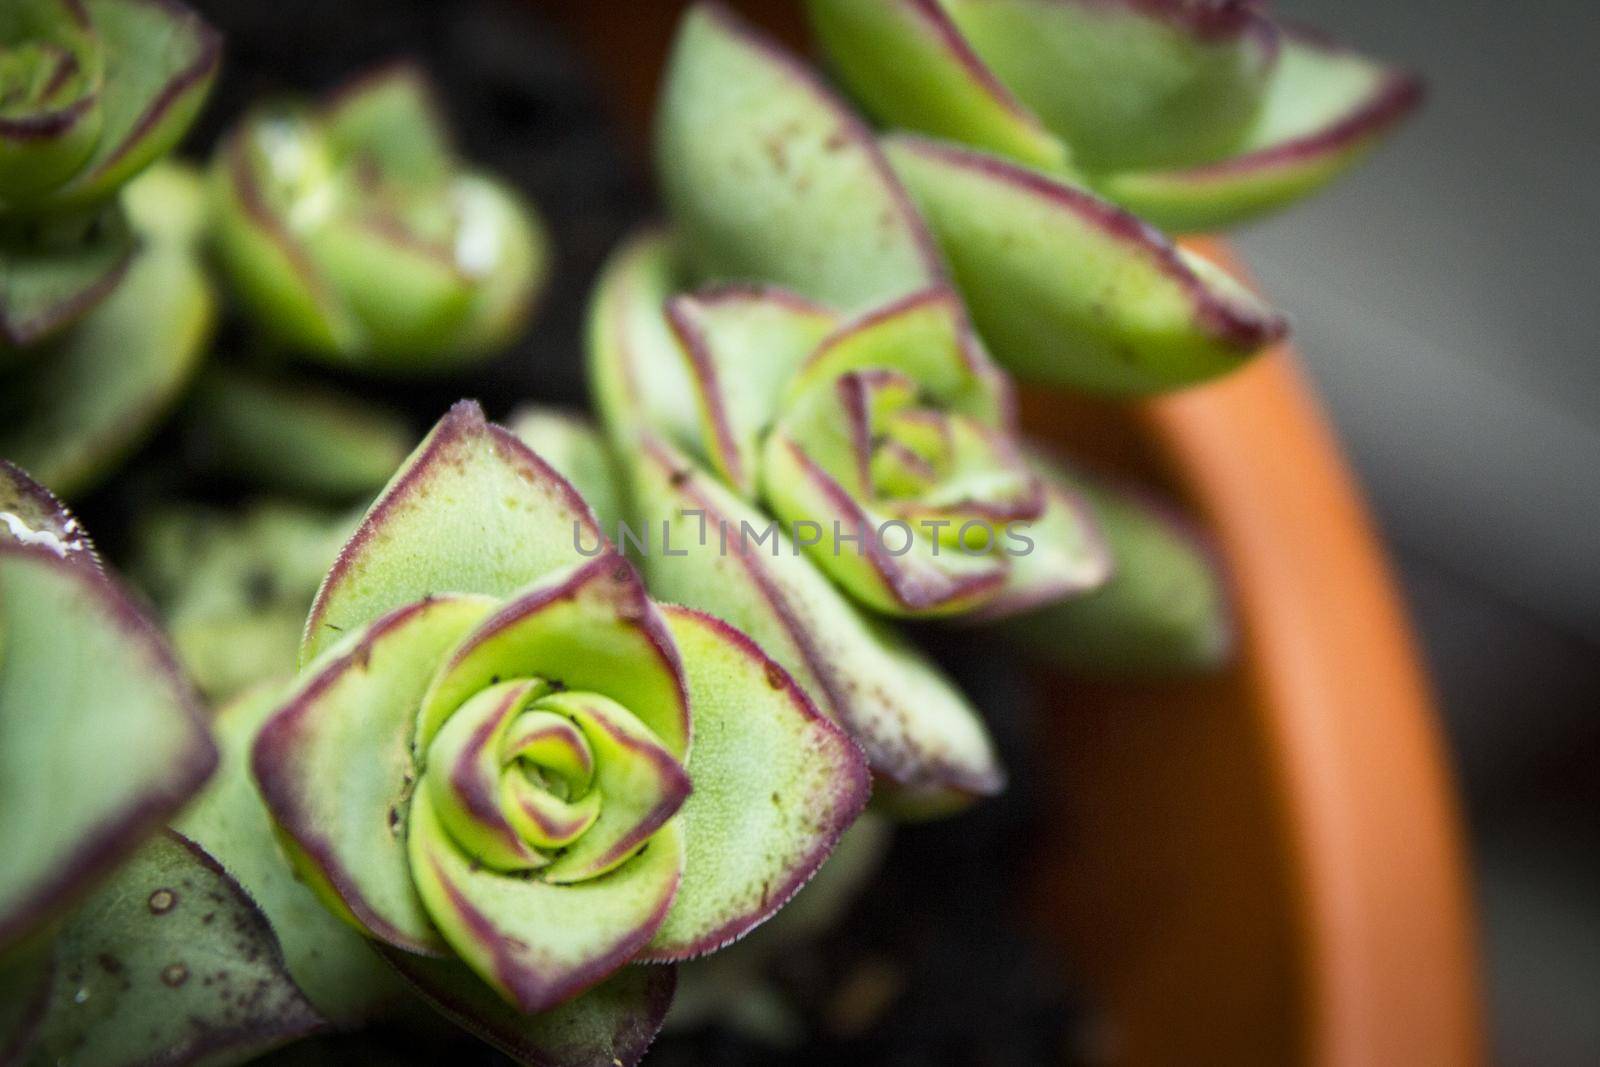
[[528, 777]]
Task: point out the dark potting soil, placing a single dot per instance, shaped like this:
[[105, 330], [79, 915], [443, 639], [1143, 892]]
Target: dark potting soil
[[933, 964]]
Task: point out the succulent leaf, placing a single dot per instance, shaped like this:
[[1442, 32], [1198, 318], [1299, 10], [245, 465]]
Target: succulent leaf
[[772, 179], [909, 66], [354, 233], [637, 374], [536, 942], [1325, 108], [85, 681], [1067, 288], [170, 962], [1128, 83], [471, 511], [575, 449], [334, 765], [737, 396], [91, 394], [1068, 556], [336, 969], [776, 785], [52, 273], [1166, 607], [591, 627]]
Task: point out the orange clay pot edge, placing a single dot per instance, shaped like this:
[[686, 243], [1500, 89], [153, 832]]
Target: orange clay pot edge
[[1380, 870]]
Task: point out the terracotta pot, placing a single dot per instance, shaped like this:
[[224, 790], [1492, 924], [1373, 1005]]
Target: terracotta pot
[[1264, 866]]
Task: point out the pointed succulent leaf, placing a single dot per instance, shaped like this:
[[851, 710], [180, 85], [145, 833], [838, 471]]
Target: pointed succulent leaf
[[334, 765], [472, 511], [335, 967], [1069, 289], [1166, 608], [30, 515], [93, 393], [1128, 82], [299, 438], [355, 234], [536, 942], [776, 784], [170, 962], [575, 449], [743, 347], [771, 178], [915, 728], [611, 1025], [910, 67], [1325, 108], [87, 686]]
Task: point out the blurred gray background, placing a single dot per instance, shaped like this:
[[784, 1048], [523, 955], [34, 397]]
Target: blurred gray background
[[1447, 300]]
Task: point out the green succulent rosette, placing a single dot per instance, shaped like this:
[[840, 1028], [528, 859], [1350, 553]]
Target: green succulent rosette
[[91, 92], [353, 232], [518, 775], [769, 177], [1192, 115], [800, 471]]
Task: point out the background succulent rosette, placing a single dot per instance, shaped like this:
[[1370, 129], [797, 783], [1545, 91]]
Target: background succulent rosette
[[353, 232], [799, 471], [91, 92], [517, 774]]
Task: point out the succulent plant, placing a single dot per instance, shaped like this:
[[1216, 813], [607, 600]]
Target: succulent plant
[[91, 92], [79, 402], [517, 774], [353, 232], [86, 681], [1192, 115], [778, 181]]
